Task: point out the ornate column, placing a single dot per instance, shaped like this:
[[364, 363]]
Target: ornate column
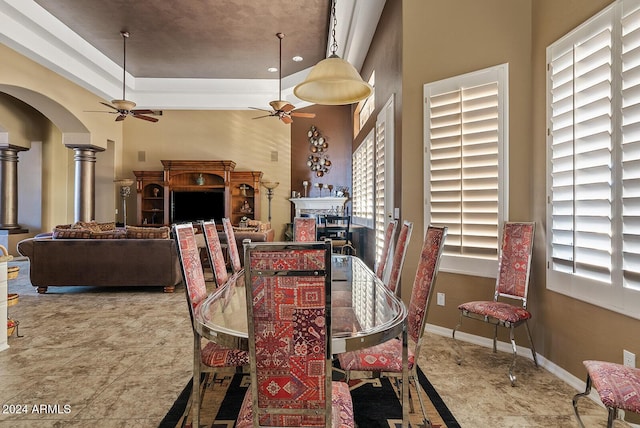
[[85, 182], [9, 187]]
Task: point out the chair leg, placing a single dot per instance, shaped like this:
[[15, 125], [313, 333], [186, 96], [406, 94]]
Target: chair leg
[[613, 415], [576, 397], [195, 393], [425, 418], [456, 346], [495, 338], [533, 349], [512, 377]]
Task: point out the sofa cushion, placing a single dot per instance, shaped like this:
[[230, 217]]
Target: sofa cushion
[[134, 232], [109, 234]]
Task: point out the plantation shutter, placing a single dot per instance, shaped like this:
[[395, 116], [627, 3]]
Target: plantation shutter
[[631, 150], [380, 187], [581, 157], [463, 168], [363, 182]]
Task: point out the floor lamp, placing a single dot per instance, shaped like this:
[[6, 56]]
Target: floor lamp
[[125, 192], [270, 185]]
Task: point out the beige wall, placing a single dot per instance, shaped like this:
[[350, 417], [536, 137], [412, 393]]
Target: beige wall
[[447, 38], [215, 135]]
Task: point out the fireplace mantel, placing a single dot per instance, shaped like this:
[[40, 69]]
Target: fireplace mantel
[[321, 205]]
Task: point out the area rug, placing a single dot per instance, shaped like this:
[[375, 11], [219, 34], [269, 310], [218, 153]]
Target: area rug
[[375, 404]]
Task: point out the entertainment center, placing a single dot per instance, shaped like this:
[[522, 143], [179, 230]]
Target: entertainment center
[[189, 190]]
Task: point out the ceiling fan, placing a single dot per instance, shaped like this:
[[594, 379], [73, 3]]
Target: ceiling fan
[[282, 109], [124, 107]]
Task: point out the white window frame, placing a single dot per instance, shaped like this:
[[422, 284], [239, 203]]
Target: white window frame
[[612, 280], [456, 261], [384, 172]]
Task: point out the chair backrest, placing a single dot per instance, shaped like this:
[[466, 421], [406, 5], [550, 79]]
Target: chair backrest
[[423, 284], [232, 246], [214, 251], [399, 255], [190, 264], [304, 229], [386, 248], [288, 289], [514, 262], [336, 227]]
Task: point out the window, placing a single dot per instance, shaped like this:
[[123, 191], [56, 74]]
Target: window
[[593, 191], [465, 172], [363, 184], [364, 109]]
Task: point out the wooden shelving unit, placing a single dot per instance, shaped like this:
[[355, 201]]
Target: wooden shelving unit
[[155, 189]]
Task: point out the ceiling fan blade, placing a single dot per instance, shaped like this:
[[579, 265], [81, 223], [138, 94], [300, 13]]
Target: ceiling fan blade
[[143, 111], [287, 108], [307, 115], [263, 109], [101, 111], [108, 105], [143, 117], [260, 117], [285, 118], [121, 117]]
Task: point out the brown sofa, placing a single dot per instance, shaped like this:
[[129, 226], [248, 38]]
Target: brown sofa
[[101, 262]]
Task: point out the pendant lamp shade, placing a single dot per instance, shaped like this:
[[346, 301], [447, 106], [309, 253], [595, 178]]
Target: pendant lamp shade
[[333, 81]]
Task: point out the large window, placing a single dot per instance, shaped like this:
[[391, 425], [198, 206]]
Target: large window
[[593, 114], [465, 172]]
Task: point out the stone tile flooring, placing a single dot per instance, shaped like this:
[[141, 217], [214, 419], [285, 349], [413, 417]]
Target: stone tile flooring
[[119, 357]]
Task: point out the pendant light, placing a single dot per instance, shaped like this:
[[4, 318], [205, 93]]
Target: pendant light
[[333, 81]]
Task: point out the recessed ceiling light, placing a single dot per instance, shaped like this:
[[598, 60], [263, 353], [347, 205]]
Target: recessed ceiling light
[[297, 58], [272, 69]]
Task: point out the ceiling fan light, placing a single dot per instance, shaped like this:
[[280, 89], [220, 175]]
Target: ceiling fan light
[[333, 81], [278, 104], [123, 104]]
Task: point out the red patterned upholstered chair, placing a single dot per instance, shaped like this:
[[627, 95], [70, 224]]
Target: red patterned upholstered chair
[[398, 256], [234, 255], [288, 299], [304, 229], [214, 252], [512, 282], [381, 266], [205, 359], [387, 357], [617, 385]]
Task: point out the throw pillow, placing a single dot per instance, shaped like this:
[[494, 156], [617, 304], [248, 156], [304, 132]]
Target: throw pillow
[[134, 232], [61, 233]]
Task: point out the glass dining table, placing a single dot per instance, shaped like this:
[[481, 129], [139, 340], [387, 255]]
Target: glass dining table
[[364, 313]]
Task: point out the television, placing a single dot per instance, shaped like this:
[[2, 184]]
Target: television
[[198, 205]]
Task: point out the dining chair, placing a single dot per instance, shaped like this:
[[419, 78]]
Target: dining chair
[[388, 356], [512, 283], [232, 245], [212, 356], [399, 256], [214, 252], [338, 230], [288, 288], [304, 229], [381, 265], [617, 385]]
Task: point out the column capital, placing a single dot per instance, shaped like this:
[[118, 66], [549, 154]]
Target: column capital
[[85, 147]]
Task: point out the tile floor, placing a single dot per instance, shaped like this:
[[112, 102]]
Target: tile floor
[[120, 357]]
